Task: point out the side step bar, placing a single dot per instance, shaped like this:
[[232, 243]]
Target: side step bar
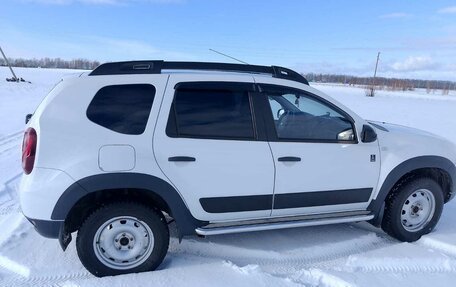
[[285, 222]]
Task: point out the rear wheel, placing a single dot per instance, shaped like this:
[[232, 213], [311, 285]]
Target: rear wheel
[[122, 238], [413, 209]]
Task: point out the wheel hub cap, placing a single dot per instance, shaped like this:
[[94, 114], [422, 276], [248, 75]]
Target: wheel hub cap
[[417, 210], [123, 242]]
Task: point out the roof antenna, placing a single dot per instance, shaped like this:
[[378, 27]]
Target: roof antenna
[[228, 56]]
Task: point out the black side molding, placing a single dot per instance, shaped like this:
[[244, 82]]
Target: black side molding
[[285, 200], [321, 198], [237, 203]]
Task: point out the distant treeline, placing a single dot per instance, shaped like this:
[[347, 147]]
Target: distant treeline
[[383, 83], [380, 82], [58, 63]]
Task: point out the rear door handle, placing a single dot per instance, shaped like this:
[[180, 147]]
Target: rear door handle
[[289, 158], [181, 158]]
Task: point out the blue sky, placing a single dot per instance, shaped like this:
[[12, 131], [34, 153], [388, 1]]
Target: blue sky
[[417, 39]]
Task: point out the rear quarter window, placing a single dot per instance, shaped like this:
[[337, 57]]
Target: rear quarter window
[[122, 108]]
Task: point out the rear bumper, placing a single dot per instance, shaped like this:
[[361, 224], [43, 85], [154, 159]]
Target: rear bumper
[[40, 191], [47, 228]]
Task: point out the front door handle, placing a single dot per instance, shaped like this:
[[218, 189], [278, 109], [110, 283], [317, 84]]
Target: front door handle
[[181, 158], [289, 158]]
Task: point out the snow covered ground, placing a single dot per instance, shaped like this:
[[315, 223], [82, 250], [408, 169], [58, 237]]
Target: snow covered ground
[[336, 255]]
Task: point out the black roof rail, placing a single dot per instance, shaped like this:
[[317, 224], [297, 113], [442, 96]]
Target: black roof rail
[[156, 67]]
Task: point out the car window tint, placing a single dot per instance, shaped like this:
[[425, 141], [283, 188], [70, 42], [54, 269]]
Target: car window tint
[[122, 108], [213, 113]]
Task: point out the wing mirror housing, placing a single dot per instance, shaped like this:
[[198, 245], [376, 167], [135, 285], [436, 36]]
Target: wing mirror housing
[[346, 135], [368, 134], [280, 112]]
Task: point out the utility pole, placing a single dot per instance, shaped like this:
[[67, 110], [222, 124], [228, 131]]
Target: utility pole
[[370, 91], [376, 66], [9, 66]]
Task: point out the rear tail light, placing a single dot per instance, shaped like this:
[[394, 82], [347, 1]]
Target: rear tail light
[[29, 150]]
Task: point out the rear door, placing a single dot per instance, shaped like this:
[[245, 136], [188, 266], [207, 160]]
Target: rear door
[[320, 164], [207, 144]]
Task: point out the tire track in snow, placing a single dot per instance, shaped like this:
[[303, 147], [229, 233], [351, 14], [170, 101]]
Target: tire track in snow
[[401, 265], [24, 274], [10, 137], [440, 258], [10, 205], [434, 244], [10, 142], [46, 280], [285, 262]]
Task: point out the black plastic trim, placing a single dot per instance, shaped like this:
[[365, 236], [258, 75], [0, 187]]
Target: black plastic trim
[[157, 66], [47, 228], [402, 169], [236, 203], [286, 200], [321, 198], [216, 85], [182, 158], [289, 159], [185, 222]]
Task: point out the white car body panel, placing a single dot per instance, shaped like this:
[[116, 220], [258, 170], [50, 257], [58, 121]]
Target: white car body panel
[[222, 167], [70, 147], [38, 200], [400, 143], [71, 142], [323, 166]]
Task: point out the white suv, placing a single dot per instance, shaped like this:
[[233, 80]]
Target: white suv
[[218, 148]]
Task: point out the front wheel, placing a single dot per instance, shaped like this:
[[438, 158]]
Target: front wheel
[[122, 238], [413, 209]]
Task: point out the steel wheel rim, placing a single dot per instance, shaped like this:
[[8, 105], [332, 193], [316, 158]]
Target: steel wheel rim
[[417, 210], [123, 242]]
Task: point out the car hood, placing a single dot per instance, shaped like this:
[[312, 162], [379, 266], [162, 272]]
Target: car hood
[[395, 128], [412, 141]]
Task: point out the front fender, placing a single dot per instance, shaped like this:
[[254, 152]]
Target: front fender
[[406, 167]]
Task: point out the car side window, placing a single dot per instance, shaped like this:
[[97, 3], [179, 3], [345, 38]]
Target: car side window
[[212, 113], [122, 108], [299, 116]]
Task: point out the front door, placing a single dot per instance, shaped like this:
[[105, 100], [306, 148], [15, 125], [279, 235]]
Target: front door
[[320, 164]]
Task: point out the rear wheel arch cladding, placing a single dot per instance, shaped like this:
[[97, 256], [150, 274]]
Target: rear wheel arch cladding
[[186, 223]]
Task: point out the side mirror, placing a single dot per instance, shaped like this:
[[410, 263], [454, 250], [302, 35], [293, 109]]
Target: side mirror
[[346, 135], [280, 112], [27, 118], [368, 134]]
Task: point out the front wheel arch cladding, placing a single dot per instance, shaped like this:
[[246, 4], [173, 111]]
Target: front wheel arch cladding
[[410, 165]]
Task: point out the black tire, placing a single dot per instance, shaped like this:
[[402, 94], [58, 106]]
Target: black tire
[[392, 222], [148, 216]]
